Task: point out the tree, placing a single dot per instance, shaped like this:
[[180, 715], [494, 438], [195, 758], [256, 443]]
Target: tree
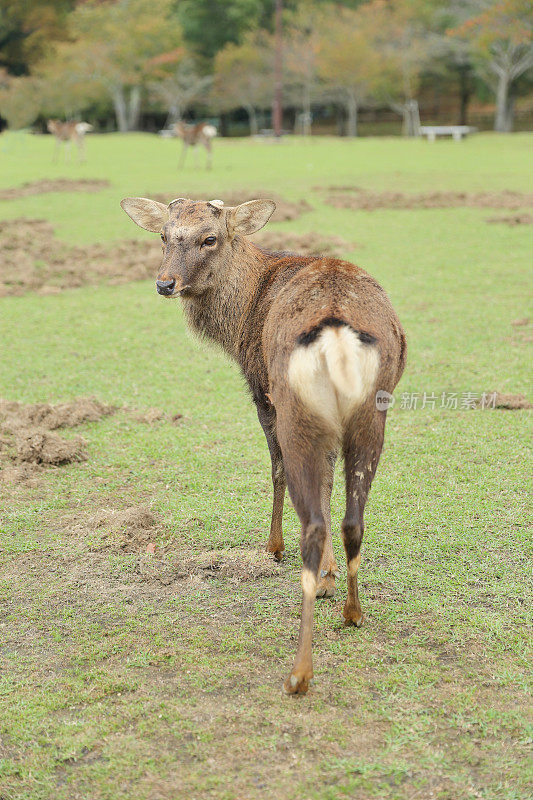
[[349, 65], [302, 47], [501, 33], [209, 25], [20, 100], [403, 38], [118, 46], [178, 90], [243, 76], [27, 29]]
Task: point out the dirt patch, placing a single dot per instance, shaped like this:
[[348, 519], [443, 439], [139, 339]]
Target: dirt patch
[[15, 416], [510, 402], [305, 244], [516, 219], [124, 530], [32, 259], [28, 442], [356, 198], [59, 185], [47, 448], [285, 209], [153, 415], [237, 565], [521, 322]]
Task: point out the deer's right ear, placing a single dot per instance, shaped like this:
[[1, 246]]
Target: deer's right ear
[[147, 214]]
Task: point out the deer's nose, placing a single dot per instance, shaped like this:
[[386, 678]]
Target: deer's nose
[[165, 287]]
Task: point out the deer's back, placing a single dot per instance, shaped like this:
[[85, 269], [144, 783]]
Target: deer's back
[[300, 296]]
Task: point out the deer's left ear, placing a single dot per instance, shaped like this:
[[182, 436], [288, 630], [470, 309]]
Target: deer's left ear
[[147, 214], [249, 217]]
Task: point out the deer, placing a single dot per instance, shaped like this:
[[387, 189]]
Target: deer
[[67, 132], [321, 349], [192, 135]]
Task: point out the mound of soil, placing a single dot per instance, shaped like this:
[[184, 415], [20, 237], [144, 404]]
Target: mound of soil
[[306, 244], [356, 198], [45, 447], [127, 530], [516, 219], [32, 259], [285, 209], [153, 415], [511, 402], [236, 565], [59, 185], [15, 416]]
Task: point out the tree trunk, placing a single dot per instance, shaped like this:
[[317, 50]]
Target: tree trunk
[[340, 121], [252, 118], [465, 93], [119, 104], [509, 116], [411, 118], [307, 114], [134, 111], [502, 103], [351, 108]]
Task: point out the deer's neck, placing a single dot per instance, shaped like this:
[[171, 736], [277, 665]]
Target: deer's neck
[[219, 314]]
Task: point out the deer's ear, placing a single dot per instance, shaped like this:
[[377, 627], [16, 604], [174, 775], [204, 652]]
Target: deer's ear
[[249, 217], [147, 214]]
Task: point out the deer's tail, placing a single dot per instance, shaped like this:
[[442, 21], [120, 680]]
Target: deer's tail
[[333, 370]]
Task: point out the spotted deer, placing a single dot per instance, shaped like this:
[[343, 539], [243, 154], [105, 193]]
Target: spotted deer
[[317, 340], [67, 132], [192, 135]]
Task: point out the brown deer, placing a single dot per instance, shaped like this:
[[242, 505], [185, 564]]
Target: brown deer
[[319, 344], [192, 135], [68, 132]]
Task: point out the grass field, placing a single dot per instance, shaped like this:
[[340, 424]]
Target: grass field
[[125, 675]]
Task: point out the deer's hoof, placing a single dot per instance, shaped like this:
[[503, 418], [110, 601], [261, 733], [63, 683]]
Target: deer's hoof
[[277, 554], [326, 584], [353, 616], [298, 682]]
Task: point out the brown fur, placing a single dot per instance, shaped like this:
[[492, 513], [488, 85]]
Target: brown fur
[[191, 135], [66, 132], [260, 307]]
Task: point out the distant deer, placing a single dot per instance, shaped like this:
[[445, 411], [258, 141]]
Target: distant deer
[[321, 348], [67, 132], [192, 135]]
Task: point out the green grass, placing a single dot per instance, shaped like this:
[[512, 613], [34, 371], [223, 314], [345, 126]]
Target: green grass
[[114, 686]]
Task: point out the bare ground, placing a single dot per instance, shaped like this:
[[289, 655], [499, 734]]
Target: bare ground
[[513, 221], [305, 243], [57, 185], [357, 198], [29, 442], [33, 259]]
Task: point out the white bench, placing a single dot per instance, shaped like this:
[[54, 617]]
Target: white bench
[[457, 132]]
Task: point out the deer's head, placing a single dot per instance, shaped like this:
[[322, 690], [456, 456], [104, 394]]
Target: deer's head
[[198, 238]]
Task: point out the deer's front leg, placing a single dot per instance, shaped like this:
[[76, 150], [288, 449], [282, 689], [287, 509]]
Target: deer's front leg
[[275, 543]]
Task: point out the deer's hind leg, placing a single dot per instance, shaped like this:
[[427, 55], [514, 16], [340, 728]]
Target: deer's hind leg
[[361, 452], [328, 566], [306, 468]]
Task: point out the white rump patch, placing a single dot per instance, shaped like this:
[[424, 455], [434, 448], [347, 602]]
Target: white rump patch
[[334, 375], [209, 131]]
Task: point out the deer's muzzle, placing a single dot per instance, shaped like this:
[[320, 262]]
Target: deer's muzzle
[[165, 287]]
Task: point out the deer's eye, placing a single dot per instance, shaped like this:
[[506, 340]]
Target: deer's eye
[[163, 237], [210, 240]]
